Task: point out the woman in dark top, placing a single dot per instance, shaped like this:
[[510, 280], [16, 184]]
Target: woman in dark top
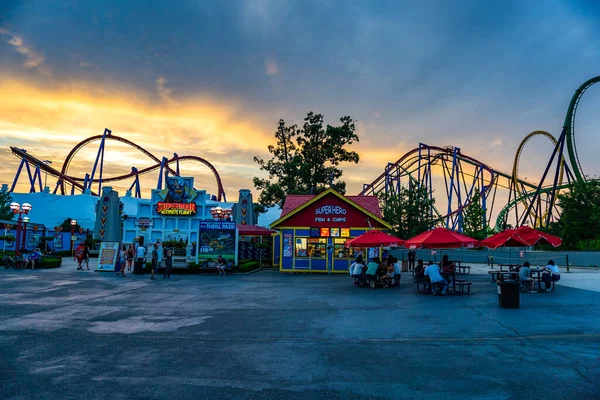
[[86, 257], [420, 271], [168, 263]]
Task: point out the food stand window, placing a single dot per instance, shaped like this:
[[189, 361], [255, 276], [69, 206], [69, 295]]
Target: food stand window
[[340, 250], [311, 247]]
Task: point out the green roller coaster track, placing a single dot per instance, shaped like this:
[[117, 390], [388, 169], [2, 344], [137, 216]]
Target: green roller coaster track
[[569, 126]]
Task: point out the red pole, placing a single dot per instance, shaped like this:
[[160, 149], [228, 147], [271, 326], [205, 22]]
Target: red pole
[[18, 238]]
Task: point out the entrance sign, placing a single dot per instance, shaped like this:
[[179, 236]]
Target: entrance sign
[[107, 257], [163, 208]]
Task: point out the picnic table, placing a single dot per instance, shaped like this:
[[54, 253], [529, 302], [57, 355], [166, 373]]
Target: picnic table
[[509, 267]]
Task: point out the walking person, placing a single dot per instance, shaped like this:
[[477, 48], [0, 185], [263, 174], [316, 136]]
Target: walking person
[[122, 261], [154, 260], [168, 263], [141, 257], [79, 256], [412, 255], [129, 257], [86, 257]]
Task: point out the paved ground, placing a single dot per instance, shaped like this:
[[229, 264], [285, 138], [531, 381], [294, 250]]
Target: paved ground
[[85, 335]]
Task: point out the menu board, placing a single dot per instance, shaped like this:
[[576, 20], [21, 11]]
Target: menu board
[[335, 232], [345, 232], [315, 232], [324, 232], [107, 257], [288, 247]]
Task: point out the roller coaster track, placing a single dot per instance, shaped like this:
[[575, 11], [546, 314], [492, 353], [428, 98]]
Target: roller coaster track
[[83, 143], [569, 125]]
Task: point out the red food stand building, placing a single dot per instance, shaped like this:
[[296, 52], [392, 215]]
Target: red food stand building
[[313, 230]]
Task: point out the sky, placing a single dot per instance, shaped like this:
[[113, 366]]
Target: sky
[[212, 79]]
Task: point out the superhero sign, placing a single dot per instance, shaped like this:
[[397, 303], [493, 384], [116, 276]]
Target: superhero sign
[[177, 198]]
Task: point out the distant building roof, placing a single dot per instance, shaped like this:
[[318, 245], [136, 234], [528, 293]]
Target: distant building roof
[[369, 203]]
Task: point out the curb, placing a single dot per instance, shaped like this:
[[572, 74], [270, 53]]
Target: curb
[[253, 271]]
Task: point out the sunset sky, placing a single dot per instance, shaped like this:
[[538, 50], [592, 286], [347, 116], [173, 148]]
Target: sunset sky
[[212, 78]]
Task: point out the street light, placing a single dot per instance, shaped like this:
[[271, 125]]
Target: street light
[[17, 208], [220, 213], [24, 239], [73, 224]]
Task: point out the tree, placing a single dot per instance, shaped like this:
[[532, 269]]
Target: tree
[[66, 224], [409, 212], [473, 222], [579, 225], [306, 161], [5, 200]]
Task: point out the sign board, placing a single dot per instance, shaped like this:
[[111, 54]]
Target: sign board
[[144, 222], [288, 247], [217, 238], [107, 257]]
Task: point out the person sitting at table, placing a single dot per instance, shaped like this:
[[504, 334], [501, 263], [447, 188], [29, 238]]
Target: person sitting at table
[[525, 276], [372, 268], [420, 271], [221, 265], [356, 270], [388, 272], [448, 269], [436, 279], [552, 275]]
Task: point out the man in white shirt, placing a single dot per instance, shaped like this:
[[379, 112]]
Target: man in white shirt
[[552, 275], [433, 272], [141, 253]]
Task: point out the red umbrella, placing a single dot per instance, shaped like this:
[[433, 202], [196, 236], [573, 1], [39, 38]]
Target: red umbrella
[[520, 237], [440, 238], [374, 238], [506, 238]]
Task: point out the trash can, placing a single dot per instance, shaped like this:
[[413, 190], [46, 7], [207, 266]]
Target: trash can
[[138, 266], [508, 294], [404, 265]]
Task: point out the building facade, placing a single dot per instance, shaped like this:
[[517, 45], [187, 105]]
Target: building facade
[[313, 230]]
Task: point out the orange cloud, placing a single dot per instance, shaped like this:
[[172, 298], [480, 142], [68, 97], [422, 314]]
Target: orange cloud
[[49, 122]]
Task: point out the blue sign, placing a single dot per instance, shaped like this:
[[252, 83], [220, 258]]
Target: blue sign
[[217, 225]]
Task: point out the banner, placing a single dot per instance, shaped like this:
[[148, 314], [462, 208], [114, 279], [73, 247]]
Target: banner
[[107, 257], [217, 238]]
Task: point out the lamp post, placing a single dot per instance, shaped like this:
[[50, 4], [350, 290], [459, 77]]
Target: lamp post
[[17, 208], [220, 214], [73, 223], [24, 239]]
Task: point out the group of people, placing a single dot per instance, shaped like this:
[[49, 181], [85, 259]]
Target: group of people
[[30, 257], [82, 256], [550, 273], [439, 275], [386, 272], [125, 259]]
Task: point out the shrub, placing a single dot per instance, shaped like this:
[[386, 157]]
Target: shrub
[[49, 262], [249, 266]]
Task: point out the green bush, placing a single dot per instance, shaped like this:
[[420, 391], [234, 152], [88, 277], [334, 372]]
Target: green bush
[[194, 268], [65, 253], [46, 262], [249, 266]]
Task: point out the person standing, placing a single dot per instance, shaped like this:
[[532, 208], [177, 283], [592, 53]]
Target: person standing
[[154, 260], [122, 261], [129, 257], [79, 256], [412, 255], [140, 256], [86, 257], [168, 263]]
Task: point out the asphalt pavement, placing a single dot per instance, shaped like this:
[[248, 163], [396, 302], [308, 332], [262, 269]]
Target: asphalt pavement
[[67, 334]]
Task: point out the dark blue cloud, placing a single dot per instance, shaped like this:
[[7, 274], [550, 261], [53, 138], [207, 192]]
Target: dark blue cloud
[[433, 70]]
